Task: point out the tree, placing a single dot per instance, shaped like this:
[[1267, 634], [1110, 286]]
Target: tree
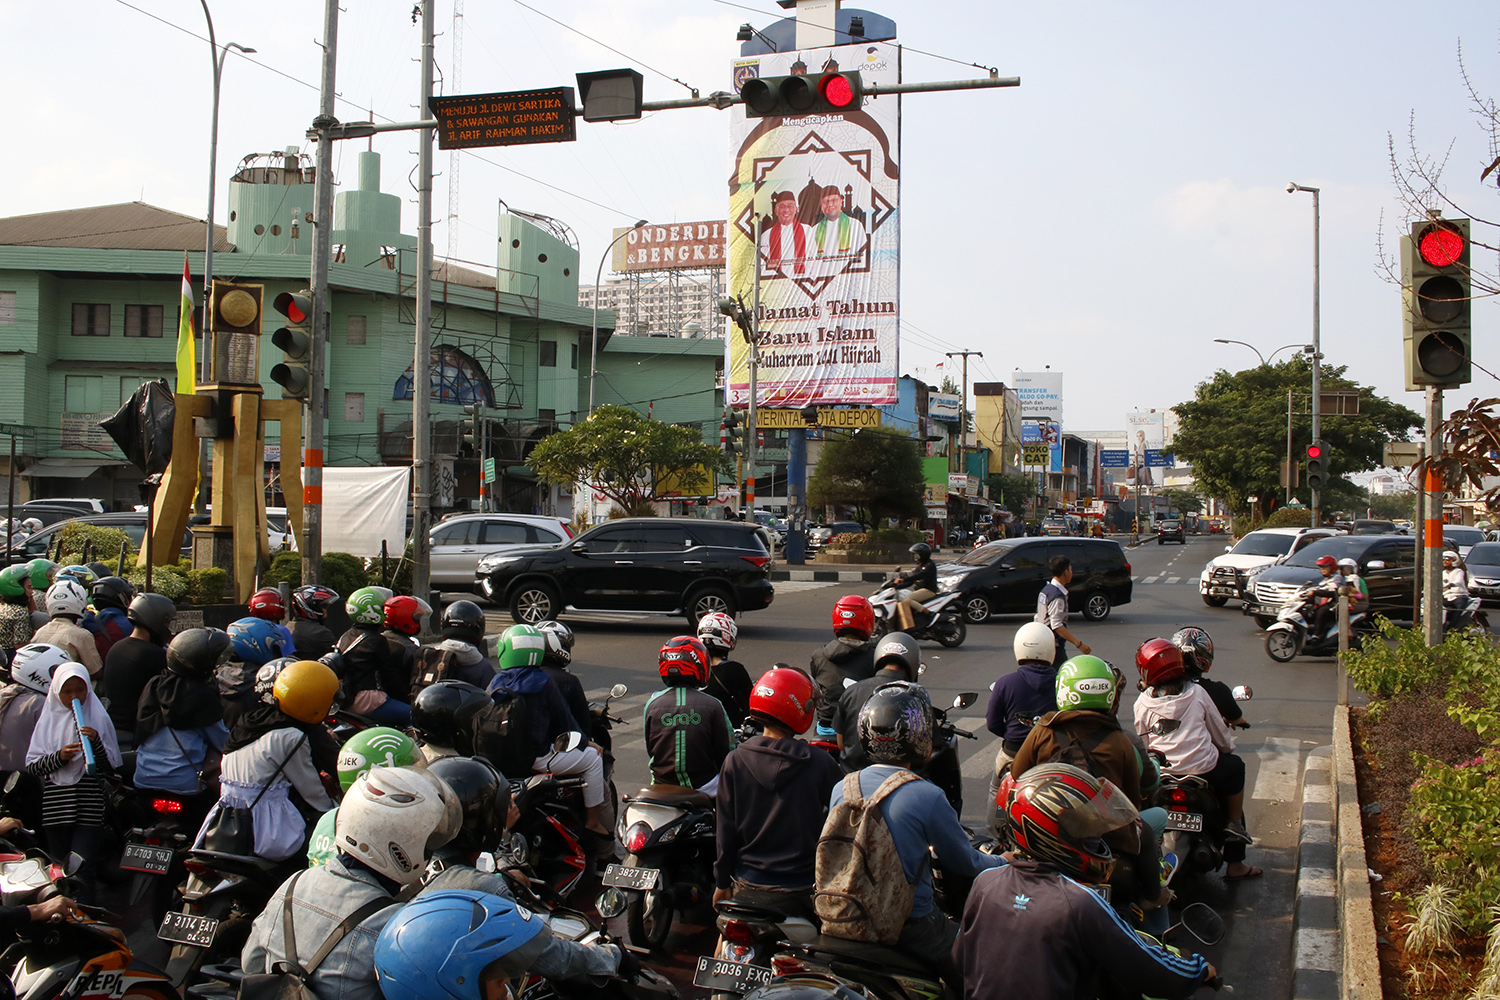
[[1233, 431], [630, 459], [1011, 491], [875, 470], [1182, 501], [1393, 506]]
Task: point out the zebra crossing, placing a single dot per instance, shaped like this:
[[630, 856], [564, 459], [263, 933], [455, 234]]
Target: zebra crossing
[[1162, 578]]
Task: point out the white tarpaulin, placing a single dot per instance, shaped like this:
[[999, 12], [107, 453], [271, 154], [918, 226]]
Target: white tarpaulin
[[364, 506]]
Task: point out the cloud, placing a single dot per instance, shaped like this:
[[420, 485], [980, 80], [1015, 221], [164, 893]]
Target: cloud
[[1243, 224]]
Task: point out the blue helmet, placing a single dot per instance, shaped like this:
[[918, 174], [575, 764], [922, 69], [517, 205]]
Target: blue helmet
[[258, 641], [440, 944]]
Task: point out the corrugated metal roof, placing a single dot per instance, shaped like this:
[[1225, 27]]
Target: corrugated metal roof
[[133, 225]]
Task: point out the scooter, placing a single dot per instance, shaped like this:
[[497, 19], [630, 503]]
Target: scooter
[[942, 619], [1195, 820], [1470, 616], [748, 938], [1292, 633], [668, 835], [157, 850], [223, 895]]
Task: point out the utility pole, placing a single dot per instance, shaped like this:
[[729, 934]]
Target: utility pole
[[312, 453], [421, 368], [752, 432], [1432, 529], [963, 409]]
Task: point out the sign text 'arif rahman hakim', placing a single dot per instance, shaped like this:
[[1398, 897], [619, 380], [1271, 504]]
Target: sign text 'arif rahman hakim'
[[504, 119]]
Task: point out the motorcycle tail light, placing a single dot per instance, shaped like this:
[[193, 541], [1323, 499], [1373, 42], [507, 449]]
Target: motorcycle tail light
[[737, 932], [167, 805], [1178, 796], [198, 868], [785, 965], [637, 837]]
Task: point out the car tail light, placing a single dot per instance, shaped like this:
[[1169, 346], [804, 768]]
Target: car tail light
[[1178, 796], [167, 805], [737, 932], [568, 531], [759, 562], [785, 965], [1127, 569], [637, 837]]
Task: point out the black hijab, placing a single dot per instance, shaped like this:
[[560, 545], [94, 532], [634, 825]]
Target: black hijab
[[172, 700], [259, 721]]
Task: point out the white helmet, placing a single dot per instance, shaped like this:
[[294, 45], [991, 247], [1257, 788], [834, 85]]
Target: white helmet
[[1349, 564], [1035, 641], [393, 818], [33, 664], [67, 597], [31, 525], [718, 632]]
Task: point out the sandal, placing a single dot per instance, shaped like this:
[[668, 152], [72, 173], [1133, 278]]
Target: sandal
[[1252, 873]]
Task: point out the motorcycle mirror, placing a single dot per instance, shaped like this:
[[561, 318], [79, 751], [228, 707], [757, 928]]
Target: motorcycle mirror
[[568, 928], [73, 863], [567, 742], [992, 685], [849, 682], [618, 691], [512, 850], [611, 903], [921, 669], [10, 783], [1243, 693], [965, 699], [485, 862], [1200, 920]]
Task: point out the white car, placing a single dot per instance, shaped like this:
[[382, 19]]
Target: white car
[[1226, 576], [459, 542]]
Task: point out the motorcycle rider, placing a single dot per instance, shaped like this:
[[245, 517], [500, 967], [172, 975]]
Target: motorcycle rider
[[1052, 609], [687, 732], [16, 629], [66, 602], [728, 680], [376, 676], [266, 603], [922, 579], [463, 637], [849, 656], [1359, 591], [897, 658], [310, 604], [1061, 940], [1022, 696], [555, 661], [1180, 720], [1325, 593], [1197, 657], [406, 618], [440, 716], [1455, 587], [378, 746], [110, 595], [773, 791], [254, 642], [137, 658], [180, 720]]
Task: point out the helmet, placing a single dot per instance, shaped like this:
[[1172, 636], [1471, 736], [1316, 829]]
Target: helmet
[[407, 615], [1085, 682], [1060, 813], [13, 580], [265, 678], [378, 746], [1119, 676], [520, 646], [684, 661], [785, 696], [1197, 648], [112, 592], [1158, 661], [197, 652], [256, 640], [559, 642], [464, 615], [1349, 564], [895, 726], [483, 796], [32, 665], [267, 603], [853, 614], [154, 613], [366, 606], [305, 690], [1034, 642], [444, 945], [67, 598], [311, 601], [1327, 562], [899, 649], [921, 550], [320, 846], [393, 818], [440, 712], [99, 569], [718, 632], [31, 525], [82, 574], [41, 572]]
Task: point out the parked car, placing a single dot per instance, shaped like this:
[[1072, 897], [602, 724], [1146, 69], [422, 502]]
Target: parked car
[[50, 512], [1483, 562], [820, 534], [1465, 538], [132, 522], [1226, 576], [84, 505], [650, 565], [1170, 531], [1386, 562], [1372, 526], [459, 542], [1004, 577]]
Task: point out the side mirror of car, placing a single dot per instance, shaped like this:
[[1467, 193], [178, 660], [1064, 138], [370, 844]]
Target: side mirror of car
[[1375, 564], [1229, 548], [580, 547]]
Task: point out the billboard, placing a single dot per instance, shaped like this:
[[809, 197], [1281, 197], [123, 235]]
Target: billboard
[[825, 189], [681, 246], [1144, 431], [1041, 444], [944, 406], [1040, 394]]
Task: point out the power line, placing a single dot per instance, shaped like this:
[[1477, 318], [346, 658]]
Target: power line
[[611, 48]]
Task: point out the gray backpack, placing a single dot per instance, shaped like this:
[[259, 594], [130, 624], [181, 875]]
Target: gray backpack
[[862, 892]]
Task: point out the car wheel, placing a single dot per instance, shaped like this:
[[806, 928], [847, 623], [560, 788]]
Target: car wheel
[[1215, 602], [708, 601], [1159, 541], [1096, 608], [977, 609], [533, 603]]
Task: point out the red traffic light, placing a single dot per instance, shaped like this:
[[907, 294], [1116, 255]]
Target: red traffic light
[[1314, 451], [837, 90], [288, 305], [1440, 246]]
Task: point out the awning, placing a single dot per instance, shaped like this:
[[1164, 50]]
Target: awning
[[68, 468]]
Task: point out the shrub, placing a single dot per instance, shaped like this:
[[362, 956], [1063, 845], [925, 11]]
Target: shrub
[[896, 535], [1465, 670], [165, 580], [341, 571], [286, 567], [105, 544], [1449, 809], [207, 586]]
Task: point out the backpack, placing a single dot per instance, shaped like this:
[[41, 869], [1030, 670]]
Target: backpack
[[502, 733], [1077, 753], [288, 980], [862, 893], [430, 665]]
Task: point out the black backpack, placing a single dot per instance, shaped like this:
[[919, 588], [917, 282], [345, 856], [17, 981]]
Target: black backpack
[[502, 733], [430, 665]]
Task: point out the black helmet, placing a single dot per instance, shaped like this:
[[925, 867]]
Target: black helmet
[[899, 649], [1197, 649], [895, 726], [312, 601], [465, 616], [440, 712], [198, 652], [112, 592], [922, 551], [333, 660], [483, 793], [559, 642], [154, 613]]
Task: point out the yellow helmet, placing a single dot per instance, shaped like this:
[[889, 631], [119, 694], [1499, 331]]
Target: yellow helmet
[[304, 690]]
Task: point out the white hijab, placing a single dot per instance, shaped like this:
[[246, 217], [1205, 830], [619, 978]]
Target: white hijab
[[56, 727]]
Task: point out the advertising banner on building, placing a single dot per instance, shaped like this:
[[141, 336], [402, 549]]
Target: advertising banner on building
[[1144, 430], [944, 406], [1040, 394], [825, 189], [679, 246]]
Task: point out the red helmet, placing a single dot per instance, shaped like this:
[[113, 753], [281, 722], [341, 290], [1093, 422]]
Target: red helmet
[[266, 603], [853, 614], [406, 614], [1158, 660], [785, 696], [1059, 814], [1327, 561], [684, 661]]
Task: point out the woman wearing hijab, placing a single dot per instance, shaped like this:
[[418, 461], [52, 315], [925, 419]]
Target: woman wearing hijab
[[179, 725], [72, 801]]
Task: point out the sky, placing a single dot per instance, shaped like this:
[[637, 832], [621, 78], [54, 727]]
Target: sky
[[1110, 218]]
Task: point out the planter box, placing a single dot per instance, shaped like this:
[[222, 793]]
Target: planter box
[[894, 552]]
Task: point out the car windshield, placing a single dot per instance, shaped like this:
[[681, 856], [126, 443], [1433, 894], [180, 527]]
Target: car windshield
[[1485, 554], [984, 555], [1262, 543], [1171, 525], [1339, 546], [1463, 536]]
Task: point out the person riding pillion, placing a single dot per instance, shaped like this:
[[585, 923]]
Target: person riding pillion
[[687, 732]]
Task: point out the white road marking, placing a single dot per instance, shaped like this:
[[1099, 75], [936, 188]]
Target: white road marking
[[798, 586], [981, 763], [1173, 579], [1276, 779], [1151, 579]]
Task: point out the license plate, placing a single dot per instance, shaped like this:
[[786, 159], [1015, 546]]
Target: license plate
[[631, 878], [729, 977], [188, 928], [1186, 822], [1223, 591], [142, 858]]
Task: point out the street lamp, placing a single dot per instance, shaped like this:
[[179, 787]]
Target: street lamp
[[594, 338], [1317, 344], [1264, 360]]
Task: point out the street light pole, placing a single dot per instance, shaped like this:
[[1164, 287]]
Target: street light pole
[[1317, 343], [594, 336], [1264, 359]]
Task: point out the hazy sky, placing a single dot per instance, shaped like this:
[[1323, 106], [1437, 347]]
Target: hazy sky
[[1110, 218]]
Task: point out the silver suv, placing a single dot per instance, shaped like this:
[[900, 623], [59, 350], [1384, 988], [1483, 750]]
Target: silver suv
[[1227, 576], [458, 543]]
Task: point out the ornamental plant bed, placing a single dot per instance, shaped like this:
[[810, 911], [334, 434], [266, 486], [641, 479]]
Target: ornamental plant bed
[[1427, 760]]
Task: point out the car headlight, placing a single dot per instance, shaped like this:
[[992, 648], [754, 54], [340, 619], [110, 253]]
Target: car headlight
[[489, 563]]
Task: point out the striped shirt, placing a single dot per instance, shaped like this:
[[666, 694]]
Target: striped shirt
[[81, 803]]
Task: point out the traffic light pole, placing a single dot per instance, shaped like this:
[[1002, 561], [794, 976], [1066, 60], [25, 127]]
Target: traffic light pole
[[752, 431], [1432, 527], [421, 382]]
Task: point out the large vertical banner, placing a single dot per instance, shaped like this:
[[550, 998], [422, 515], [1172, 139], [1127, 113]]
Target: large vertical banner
[[1144, 432], [826, 190]]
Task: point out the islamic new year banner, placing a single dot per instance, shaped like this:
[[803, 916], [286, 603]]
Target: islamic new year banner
[[825, 189]]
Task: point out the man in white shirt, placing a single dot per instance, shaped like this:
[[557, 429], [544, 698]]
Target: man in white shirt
[[1052, 608], [788, 243], [838, 237]]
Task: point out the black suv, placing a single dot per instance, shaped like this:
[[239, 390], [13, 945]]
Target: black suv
[[1170, 531], [1387, 563], [642, 565], [1004, 577]]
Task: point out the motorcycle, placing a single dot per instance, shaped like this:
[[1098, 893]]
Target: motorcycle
[[668, 835], [942, 619], [1292, 633], [156, 851], [942, 769], [223, 895], [601, 724], [1470, 616], [81, 959], [749, 936]]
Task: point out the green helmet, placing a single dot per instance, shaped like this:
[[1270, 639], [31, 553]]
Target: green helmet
[[41, 573], [379, 746], [521, 646], [13, 580], [366, 606], [321, 848], [1085, 682]]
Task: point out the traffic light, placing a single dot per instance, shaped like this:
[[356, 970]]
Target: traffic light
[[295, 341], [469, 432], [794, 96], [730, 432], [1437, 299], [1317, 467]]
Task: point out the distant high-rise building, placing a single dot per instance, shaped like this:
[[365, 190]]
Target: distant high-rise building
[[662, 304]]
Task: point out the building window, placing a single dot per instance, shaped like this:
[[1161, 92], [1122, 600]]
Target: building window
[[129, 384], [83, 393], [354, 407], [574, 353], [354, 332], [90, 320], [7, 308], [549, 354], [143, 321]]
